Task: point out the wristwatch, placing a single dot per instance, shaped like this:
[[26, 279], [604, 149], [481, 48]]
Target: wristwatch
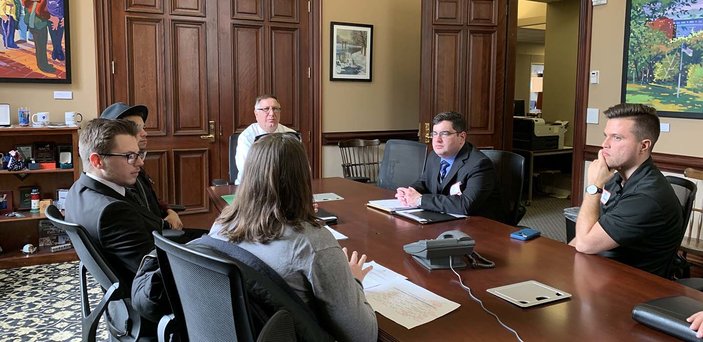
[[593, 189]]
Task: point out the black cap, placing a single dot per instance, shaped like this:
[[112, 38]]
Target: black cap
[[120, 110]]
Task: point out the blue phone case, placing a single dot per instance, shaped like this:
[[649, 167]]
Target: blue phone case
[[525, 234]]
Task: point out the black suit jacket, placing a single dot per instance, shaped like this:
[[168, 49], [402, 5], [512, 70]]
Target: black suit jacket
[[120, 229], [480, 195]]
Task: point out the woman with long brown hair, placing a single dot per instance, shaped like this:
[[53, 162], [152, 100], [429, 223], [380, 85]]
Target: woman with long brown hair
[[273, 218]]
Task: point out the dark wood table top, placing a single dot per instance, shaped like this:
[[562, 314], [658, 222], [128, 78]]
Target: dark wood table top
[[603, 291]]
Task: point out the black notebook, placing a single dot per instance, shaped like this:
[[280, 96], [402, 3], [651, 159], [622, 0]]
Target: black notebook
[[326, 216], [669, 315], [426, 216]]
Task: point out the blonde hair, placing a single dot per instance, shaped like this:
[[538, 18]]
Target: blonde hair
[[275, 192]]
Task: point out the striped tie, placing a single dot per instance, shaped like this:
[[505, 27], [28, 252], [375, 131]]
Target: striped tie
[[443, 168]]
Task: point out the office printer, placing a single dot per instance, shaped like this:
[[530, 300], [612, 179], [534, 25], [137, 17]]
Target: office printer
[[535, 134]]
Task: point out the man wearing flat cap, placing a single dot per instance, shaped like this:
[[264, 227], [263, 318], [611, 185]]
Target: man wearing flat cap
[[144, 187]]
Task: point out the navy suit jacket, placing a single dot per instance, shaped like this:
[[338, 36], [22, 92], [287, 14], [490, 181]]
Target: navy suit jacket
[[474, 172], [120, 229]]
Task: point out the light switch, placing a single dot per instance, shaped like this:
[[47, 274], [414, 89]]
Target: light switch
[[63, 95], [595, 76], [664, 127], [592, 116]]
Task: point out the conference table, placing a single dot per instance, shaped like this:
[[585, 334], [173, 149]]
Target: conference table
[[603, 291]]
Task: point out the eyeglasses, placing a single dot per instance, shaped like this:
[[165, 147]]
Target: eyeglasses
[[292, 134], [131, 156], [268, 109], [443, 134]]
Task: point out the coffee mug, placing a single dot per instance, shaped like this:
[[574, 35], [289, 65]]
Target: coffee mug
[[40, 119], [71, 120]]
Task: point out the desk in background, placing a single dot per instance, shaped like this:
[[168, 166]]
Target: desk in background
[[559, 159], [604, 291]]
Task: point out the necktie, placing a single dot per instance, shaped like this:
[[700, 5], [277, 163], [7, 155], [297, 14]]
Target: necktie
[[443, 168], [133, 197]]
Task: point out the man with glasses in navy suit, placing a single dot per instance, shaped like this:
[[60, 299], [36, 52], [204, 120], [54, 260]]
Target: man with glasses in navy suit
[[267, 111], [458, 178]]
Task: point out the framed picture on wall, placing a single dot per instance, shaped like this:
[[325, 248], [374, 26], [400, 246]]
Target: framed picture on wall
[[663, 64], [35, 46], [350, 52]]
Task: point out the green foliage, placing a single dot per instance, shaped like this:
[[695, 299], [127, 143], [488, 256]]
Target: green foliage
[[647, 47], [695, 77], [667, 69]]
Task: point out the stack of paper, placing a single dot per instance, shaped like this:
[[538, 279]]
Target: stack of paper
[[403, 302]]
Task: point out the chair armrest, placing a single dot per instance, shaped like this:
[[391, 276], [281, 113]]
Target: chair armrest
[[219, 182], [360, 179], [165, 328]]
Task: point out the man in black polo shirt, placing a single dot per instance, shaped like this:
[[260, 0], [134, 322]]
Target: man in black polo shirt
[[630, 212]]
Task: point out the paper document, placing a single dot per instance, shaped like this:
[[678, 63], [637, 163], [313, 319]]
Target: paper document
[[327, 196], [337, 235], [408, 304], [388, 205], [379, 275]]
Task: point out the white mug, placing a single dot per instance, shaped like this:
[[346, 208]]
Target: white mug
[[70, 118], [40, 119]]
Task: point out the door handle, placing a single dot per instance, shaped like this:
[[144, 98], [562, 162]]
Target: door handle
[[211, 131]]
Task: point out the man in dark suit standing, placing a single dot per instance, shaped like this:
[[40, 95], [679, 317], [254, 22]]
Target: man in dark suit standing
[[458, 178], [99, 200]]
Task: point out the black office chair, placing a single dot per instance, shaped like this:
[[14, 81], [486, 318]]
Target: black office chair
[[131, 327], [233, 171], [686, 192], [510, 170], [402, 164], [215, 297], [360, 159]]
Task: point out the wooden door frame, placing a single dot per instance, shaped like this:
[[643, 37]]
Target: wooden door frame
[[103, 46], [583, 65]]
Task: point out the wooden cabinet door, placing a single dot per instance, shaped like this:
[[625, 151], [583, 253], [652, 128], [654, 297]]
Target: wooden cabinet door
[[464, 66], [198, 65]]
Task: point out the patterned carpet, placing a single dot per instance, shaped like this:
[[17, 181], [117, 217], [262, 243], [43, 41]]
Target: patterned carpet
[[546, 214], [42, 303]]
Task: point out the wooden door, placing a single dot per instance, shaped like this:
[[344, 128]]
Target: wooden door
[[198, 65], [464, 44], [164, 55], [265, 47]]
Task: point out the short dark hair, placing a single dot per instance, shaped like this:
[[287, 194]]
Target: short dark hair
[[264, 97], [457, 120], [98, 136], [645, 118]]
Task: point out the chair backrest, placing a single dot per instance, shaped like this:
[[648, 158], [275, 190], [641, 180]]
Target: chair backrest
[[360, 159], [233, 171], [125, 323], [402, 164], [686, 193], [88, 254], [694, 221], [510, 171], [208, 294]]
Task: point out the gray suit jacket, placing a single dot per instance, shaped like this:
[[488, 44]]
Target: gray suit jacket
[[473, 171], [120, 229]]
